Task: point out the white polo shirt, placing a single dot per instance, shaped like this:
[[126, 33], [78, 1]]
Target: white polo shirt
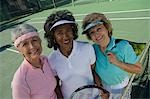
[[74, 71]]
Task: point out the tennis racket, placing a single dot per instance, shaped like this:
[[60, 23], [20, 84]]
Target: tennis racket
[[88, 92]]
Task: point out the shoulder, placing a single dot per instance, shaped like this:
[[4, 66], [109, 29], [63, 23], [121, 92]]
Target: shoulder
[[20, 74], [23, 68], [95, 46], [53, 57], [44, 59], [54, 54], [83, 44], [124, 46], [121, 42]]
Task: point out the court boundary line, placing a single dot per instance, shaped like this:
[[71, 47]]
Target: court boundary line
[[123, 11], [114, 19], [12, 50]]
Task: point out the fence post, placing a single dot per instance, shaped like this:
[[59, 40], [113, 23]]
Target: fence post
[[73, 3], [54, 3], [39, 4]]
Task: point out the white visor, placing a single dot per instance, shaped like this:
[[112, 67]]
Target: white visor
[[60, 23]]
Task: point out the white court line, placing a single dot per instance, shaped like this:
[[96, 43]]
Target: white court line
[[36, 22], [38, 18], [134, 18], [126, 11], [12, 50], [113, 19]]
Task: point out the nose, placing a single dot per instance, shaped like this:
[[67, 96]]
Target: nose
[[65, 35], [31, 45]]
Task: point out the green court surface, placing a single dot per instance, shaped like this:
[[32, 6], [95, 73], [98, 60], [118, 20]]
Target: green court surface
[[130, 20]]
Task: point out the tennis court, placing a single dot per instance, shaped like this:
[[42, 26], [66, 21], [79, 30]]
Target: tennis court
[[130, 20]]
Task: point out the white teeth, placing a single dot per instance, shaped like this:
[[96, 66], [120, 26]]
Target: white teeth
[[66, 41], [99, 38]]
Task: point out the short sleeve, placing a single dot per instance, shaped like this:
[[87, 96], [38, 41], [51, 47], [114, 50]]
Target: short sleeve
[[19, 87], [130, 55], [20, 92], [52, 65], [92, 55]]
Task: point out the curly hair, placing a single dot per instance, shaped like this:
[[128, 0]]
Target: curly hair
[[52, 19], [97, 16]]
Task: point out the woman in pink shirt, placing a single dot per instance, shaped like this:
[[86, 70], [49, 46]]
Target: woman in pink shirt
[[34, 78]]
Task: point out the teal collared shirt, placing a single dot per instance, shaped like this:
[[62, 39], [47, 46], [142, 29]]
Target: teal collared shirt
[[109, 73]]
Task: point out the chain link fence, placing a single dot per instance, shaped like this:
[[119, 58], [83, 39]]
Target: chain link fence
[[13, 8]]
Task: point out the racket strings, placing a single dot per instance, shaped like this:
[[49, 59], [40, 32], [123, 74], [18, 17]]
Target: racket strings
[[88, 93]]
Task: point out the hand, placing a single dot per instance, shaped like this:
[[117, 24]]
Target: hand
[[105, 95], [112, 58]]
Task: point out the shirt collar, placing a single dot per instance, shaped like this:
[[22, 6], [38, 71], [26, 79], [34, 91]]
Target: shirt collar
[[111, 44], [29, 65]]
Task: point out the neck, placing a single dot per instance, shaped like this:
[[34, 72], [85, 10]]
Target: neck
[[66, 51], [102, 48], [104, 45], [36, 63]]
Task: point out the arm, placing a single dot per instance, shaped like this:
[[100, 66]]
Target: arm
[[132, 68], [98, 82], [57, 89], [19, 91], [97, 79]]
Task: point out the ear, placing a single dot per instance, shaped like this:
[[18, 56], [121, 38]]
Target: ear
[[18, 50]]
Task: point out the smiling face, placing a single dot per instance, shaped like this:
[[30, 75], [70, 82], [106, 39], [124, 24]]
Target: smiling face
[[99, 35], [64, 36], [31, 48]]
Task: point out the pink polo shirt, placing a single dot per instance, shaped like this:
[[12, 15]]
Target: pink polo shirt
[[33, 83]]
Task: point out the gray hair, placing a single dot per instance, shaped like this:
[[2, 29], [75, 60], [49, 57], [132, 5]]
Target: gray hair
[[21, 30]]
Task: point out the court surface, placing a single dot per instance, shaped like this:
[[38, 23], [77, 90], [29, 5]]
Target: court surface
[[130, 20]]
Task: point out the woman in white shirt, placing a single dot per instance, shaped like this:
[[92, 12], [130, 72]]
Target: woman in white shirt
[[71, 60]]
